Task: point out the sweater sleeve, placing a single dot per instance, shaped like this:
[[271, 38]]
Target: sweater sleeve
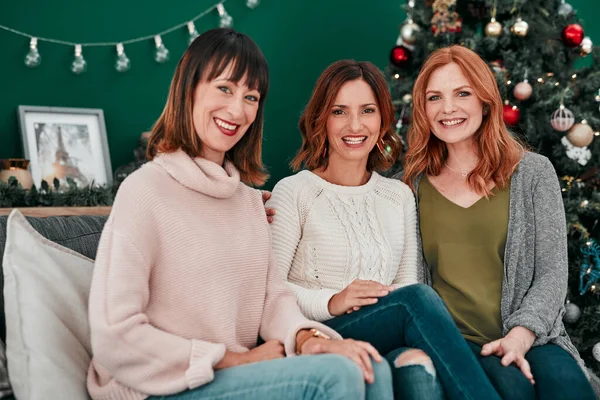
[[282, 318], [407, 270], [544, 300], [124, 342], [287, 234]]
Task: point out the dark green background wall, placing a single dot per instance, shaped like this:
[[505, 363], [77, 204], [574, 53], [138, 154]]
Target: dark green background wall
[[299, 38]]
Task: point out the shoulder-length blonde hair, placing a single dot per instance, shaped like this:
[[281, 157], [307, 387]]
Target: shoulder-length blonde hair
[[499, 152], [204, 60], [313, 122]]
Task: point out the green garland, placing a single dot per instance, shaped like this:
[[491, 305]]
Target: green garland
[[12, 194]]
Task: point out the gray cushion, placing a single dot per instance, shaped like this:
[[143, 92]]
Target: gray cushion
[[78, 233]]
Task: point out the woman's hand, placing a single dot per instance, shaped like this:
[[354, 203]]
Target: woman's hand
[[357, 351], [267, 351], [357, 294], [512, 348], [266, 195]]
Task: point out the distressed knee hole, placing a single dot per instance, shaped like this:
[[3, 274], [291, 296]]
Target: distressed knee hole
[[415, 357]]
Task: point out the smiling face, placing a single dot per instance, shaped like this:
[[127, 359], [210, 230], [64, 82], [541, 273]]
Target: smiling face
[[222, 113], [453, 109], [354, 123]]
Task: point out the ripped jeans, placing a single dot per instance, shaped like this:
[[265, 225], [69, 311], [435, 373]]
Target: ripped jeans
[[414, 317]]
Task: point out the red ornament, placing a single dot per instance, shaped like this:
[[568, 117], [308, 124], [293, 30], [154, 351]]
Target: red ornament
[[572, 35], [400, 56], [512, 115]]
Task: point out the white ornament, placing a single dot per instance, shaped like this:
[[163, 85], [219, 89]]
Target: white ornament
[[409, 31], [586, 46], [596, 351], [565, 9], [572, 313], [580, 154], [562, 119]]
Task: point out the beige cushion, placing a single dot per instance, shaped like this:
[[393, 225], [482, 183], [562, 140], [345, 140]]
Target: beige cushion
[[46, 288]]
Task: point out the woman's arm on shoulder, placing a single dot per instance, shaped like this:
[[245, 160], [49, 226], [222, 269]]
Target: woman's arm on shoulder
[[545, 298]]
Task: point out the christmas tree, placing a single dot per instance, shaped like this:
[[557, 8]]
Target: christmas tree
[[548, 73]]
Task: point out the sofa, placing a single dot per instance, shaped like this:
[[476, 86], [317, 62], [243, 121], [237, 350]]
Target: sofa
[[45, 273], [79, 234]]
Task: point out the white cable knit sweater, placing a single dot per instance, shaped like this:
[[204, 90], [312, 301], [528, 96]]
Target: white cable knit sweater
[[325, 236]]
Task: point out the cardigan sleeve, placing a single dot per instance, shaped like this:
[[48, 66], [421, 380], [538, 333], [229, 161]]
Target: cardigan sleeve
[[544, 300], [282, 318], [287, 233], [408, 269]]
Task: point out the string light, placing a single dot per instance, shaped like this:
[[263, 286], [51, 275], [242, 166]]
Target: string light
[[123, 63], [193, 32], [161, 55], [79, 65], [33, 58], [225, 20]]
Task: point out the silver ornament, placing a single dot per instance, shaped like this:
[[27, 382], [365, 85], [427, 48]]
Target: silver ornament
[[572, 313], [562, 119], [408, 32], [565, 9], [596, 351], [586, 46], [520, 28], [407, 98]]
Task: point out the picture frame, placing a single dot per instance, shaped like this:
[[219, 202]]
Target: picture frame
[[66, 143]]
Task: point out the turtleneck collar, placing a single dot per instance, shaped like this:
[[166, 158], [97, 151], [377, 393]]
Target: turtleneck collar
[[201, 175]]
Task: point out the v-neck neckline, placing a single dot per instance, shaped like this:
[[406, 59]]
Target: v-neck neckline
[[453, 203]]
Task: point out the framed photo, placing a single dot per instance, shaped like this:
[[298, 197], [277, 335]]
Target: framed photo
[[66, 143]]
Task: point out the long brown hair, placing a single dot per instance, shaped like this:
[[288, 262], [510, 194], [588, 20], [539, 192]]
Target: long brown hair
[[204, 60], [313, 122], [499, 152]]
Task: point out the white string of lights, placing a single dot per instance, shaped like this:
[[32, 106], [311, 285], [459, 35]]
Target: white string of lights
[[123, 63]]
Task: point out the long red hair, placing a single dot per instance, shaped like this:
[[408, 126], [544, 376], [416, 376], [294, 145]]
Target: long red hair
[[498, 151]]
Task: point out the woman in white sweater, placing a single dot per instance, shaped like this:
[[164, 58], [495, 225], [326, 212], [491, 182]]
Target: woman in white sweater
[[345, 239]]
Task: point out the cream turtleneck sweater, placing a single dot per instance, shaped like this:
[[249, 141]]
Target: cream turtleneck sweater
[[325, 236], [184, 271]]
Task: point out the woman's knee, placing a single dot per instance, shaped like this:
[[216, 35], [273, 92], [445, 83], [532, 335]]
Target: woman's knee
[[418, 295], [339, 377], [415, 357]]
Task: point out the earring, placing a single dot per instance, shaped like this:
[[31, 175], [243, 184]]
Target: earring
[[381, 149], [325, 150], [486, 109]]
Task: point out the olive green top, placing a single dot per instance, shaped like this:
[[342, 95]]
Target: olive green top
[[464, 247]]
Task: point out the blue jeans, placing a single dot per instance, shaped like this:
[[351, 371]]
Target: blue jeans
[[315, 377], [556, 374], [414, 316]]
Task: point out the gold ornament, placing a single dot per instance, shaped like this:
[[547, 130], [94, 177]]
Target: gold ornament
[[408, 32], [523, 90], [493, 28], [586, 46], [581, 135], [520, 28]]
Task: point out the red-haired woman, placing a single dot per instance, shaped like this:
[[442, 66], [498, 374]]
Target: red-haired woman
[[493, 230], [345, 239]]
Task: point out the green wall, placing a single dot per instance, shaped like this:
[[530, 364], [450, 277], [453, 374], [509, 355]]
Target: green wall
[[299, 38]]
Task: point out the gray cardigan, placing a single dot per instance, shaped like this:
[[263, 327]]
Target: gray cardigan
[[535, 260]]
